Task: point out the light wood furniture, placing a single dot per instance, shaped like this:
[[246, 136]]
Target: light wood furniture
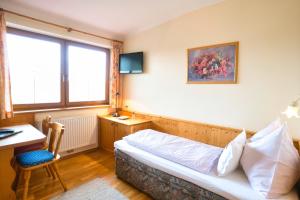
[[112, 129], [45, 128], [46, 125], [56, 133], [43, 145], [29, 135]]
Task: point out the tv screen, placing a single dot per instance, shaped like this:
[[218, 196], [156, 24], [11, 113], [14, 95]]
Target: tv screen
[[131, 63]]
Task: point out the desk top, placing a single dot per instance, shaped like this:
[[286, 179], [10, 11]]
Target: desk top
[[128, 122], [29, 135]]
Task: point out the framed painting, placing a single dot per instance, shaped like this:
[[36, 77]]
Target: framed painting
[[215, 64]]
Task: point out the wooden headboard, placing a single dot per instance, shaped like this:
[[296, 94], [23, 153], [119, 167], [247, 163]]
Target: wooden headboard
[[207, 133]]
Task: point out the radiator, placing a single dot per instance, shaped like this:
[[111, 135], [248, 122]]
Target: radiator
[[81, 133]]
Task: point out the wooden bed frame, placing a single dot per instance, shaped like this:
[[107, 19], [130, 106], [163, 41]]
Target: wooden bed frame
[[161, 185]]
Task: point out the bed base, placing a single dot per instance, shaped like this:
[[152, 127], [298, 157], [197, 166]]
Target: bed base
[[158, 184]]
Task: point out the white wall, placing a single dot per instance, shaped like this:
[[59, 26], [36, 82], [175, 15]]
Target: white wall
[[269, 65]]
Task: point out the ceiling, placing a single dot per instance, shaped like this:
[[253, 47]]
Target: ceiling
[[114, 18]]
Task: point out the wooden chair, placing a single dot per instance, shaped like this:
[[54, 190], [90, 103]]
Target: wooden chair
[[37, 146], [27, 162], [40, 145], [45, 128]]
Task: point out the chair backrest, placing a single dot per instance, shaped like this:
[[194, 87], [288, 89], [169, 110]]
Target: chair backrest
[[45, 125], [56, 133]]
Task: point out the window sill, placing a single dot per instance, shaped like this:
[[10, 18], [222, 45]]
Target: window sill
[[60, 109]]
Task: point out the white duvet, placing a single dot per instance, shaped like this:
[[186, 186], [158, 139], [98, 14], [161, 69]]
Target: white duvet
[[195, 155]]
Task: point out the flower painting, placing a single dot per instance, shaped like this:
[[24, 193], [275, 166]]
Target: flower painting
[[213, 64]]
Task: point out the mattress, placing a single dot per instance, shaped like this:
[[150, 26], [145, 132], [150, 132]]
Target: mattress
[[233, 186]]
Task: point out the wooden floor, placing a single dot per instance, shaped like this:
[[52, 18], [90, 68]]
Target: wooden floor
[[77, 170]]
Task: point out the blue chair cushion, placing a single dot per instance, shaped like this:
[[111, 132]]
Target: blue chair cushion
[[34, 158]]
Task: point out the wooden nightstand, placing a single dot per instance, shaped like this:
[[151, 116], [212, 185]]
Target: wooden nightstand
[[112, 129]]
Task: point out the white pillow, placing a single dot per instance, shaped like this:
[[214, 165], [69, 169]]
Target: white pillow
[[230, 157], [272, 163], [267, 130]]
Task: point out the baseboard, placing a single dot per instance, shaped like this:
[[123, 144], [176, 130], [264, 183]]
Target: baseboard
[[78, 150]]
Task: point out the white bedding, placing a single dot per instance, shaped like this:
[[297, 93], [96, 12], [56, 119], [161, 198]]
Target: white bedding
[[233, 186], [195, 155]]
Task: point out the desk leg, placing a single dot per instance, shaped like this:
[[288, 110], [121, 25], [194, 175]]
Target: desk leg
[[7, 175]]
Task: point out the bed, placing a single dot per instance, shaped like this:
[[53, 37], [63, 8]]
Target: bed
[[164, 179]]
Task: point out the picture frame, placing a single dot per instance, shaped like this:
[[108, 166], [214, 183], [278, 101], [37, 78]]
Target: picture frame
[[214, 64]]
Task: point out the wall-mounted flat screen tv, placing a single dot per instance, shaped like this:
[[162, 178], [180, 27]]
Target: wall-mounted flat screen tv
[[131, 63]]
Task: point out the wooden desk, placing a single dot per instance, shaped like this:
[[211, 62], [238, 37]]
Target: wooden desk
[[29, 135], [112, 129]]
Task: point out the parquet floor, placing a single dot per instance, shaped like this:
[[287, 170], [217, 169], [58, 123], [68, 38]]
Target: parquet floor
[[77, 170]]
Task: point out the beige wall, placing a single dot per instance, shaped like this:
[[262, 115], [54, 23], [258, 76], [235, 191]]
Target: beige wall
[[269, 65]]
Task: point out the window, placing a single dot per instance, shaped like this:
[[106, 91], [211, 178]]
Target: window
[[35, 70], [87, 74], [48, 72]]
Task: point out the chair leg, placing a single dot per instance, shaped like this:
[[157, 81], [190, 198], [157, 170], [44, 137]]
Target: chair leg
[[13, 162], [48, 171], [27, 175], [17, 178], [58, 176], [52, 171], [21, 176]]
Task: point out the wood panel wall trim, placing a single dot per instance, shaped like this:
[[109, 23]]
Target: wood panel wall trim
[[207, 133], [146, 115], [18, 119]]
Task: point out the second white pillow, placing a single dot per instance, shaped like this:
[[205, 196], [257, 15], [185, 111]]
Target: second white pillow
[[230, 157], [267, 130], [272, 163]]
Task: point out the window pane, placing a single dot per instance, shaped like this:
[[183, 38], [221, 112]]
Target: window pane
[[87, 74], [35, 70]]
